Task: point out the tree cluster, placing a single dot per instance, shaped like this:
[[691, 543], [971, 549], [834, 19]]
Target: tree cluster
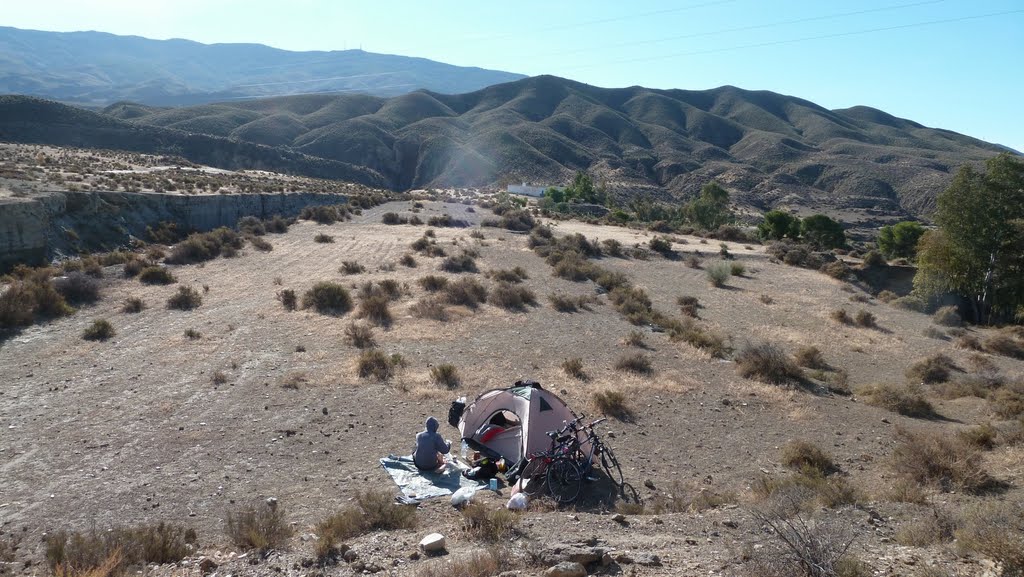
[[818, 230]]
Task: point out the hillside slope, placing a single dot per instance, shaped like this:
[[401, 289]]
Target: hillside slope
[[770, 148], [94, 68]]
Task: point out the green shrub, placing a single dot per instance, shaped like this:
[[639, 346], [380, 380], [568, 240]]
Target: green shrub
[[199, 247], [873, 259], [156, 275], [328, 298], [445, 375], [768, 363], [99, 330], [718, 273]]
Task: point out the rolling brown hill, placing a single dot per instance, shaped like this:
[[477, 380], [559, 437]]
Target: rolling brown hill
[[769, 149]]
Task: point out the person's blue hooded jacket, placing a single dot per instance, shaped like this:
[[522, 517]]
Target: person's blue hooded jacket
[[428, 444]]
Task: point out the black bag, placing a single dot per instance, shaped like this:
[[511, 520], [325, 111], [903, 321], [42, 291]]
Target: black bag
[[455, 412], [485, 468]]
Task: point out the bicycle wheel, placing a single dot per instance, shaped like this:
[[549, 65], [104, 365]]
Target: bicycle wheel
[[611, 467], [532, 477], [564, 481]]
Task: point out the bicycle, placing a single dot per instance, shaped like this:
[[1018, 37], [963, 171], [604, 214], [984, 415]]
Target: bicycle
[[557, 468]]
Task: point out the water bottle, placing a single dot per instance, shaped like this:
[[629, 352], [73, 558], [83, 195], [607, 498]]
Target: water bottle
[[465, 449]]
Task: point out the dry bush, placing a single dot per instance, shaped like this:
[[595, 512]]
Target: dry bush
[[841, 317], [886, 296], [372, 511], [766, 299], [969, 342], [767, 363], [467, 292], [514, 275], [982, 436], [563, 303], [637, 363], [574, 267], [112, 552], [430, 308], [697, 336], [693, 261], [511, 297], [323, 238], [261, 244], [737, 269], [865, 319], [932, 529], [359, 336], [574, 368], [351, 267], [946, 463], [433, 283], [374, 308], [687, 498], [718, 273], [1008, 402], [931, 370], [289, 300], [1006, 345], [219, 378], [200, 247], [483, 523], [948, 317], [463, 262], [613, 403], [808, 458], [408, 260], [635, 339], [99, 330], [810, 490], [810, 357], [193, 335], [995, 530], [633, 304], [186, 299], [393, 218], [78, 288], [259, 527], [907, 401], [328, 298], [133, 267], [133, 305], [374, 363], [156, 275], [612, 247], [293, 381], [445, 375], [688, 305], [934, 333], [837, 269]]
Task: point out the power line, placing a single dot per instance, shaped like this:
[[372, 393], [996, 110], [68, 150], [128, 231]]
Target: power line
[[796, 40], [744, 28]]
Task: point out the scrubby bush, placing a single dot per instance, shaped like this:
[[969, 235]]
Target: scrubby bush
[[688, 305], [906, 401], [114, 551], [466, 292], [808, 459], [939, 460], [661, 245], [133, 267], [288, 299], [873, 259], [841, 317], [692, 333], [613, 403], [78, 288], [768, 363], [489, 524], [637, 363], [635, 339], [374, 363], [393, 218], [1006, 345], [737, 269], [1008, 402], [408, 260], [360, 336], [810, 357], [445, 375], [464, 262], [886, 296], [99, 330], [865, 319], [157, 275], [199, 247], [718, 273], [947, 317], [328, 298], [374, 308], [323, 238], [564, 303], [512, 297], [995, 530], [837, 269], [931, 370], [514, 275], [612, 247], [187, 298], [258, 528], [430, 308], [250, 225], [433, 283], [351, 267], [133, 305], [373, 511]]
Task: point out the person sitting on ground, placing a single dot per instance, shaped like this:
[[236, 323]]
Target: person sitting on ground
[[430, 447]]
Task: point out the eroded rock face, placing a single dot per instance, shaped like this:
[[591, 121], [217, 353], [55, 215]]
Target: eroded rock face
[[34, 229]]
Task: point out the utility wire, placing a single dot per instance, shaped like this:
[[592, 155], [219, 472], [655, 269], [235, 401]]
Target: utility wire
[[796, 40], [742, 28]]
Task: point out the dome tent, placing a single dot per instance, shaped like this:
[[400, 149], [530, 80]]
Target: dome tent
[[511, 422]]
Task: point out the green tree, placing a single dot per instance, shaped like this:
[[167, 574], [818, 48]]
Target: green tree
[[822, 232], [711, 210], [978, 251], [556, 194], [778, 225], [581, 189], [900, 240]]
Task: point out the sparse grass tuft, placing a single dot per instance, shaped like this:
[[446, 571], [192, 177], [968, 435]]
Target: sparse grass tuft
[[768, 363], [445, 375], [328, 298], [637, 363], [258, 528], [944, 462], [351, 267], [323, 238], [374, 363], [718, 273], [931, 370], [574, 368], [808, 459], [810, 357], [487, 524], [99, 330], [112, 552], [186, 299]]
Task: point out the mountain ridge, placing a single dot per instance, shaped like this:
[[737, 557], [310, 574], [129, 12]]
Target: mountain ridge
[[98, 68]]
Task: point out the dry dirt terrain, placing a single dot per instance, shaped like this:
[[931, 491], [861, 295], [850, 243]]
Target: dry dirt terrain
[[136, 429]]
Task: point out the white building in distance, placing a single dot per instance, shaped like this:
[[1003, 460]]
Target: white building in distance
[[528, 190]]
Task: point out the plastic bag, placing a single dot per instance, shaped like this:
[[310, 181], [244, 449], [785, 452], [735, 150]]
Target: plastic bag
[[463, 496], [518, 502]]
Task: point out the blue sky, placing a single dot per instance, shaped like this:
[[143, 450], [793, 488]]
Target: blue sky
[[933, 61]]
